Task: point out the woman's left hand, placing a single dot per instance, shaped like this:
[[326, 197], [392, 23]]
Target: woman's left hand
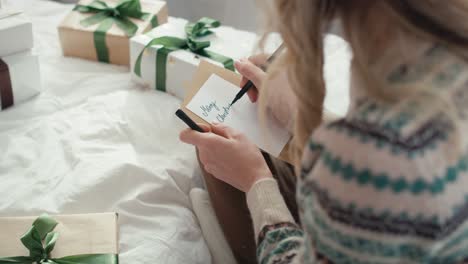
[[228, 155]]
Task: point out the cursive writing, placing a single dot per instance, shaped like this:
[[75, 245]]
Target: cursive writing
[[208, 108], [225, 112]]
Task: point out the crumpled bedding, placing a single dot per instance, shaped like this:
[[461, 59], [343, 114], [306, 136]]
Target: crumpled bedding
[[93, 141]]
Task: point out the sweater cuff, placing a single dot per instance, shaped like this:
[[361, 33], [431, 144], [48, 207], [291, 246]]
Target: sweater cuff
[[266, 205]]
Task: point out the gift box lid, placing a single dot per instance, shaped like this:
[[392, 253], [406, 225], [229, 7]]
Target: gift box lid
[[11, 18], [78, 234], [73, 19]]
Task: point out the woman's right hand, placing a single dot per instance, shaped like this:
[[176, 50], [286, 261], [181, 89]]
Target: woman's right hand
[[251, 70], [281, 100]]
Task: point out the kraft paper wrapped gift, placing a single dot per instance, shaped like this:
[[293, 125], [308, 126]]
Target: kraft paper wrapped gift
[[15, 32], [62, 239], [168, 64], [19, 78], [100, 29]]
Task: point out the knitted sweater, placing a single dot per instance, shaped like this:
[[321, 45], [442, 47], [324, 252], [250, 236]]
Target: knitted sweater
[[386, 184]]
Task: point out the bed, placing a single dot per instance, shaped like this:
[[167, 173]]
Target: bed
[[94, 141]]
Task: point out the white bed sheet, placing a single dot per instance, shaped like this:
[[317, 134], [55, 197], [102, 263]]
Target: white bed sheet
[[94, 142]]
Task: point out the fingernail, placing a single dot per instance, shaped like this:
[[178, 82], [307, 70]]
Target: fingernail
[[214, 122]]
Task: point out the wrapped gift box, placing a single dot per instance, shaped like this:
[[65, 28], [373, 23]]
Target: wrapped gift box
[[77, 235], [19, 78], [79, 39], [182, 64], [15, 32]]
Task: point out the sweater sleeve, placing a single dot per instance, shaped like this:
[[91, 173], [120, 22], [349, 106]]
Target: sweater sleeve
[[279, 239]]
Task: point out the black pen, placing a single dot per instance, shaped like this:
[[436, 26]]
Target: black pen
[[250, 84], [187, 120]]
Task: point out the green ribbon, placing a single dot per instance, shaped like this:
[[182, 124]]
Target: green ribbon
[[40, 241], [106, 16], [154, 21], [170, 44]]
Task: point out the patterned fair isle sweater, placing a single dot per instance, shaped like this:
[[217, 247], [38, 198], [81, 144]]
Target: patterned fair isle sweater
[[386, 184]]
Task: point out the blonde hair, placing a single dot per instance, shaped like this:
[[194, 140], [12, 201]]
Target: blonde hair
[[303, 23]]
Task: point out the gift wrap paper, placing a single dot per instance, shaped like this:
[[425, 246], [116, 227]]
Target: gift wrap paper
[[24, 75], [182, 64], [78, 41], [15, 33], [78, 234]]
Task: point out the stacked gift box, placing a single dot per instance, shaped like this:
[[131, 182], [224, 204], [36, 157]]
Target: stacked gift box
[[162, 55], [166, 58], [100, 30], [19, 67]]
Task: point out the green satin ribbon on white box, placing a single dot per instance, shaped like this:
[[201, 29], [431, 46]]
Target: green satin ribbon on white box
[[193, 31]]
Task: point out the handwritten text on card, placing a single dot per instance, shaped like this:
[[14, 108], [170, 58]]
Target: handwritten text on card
[[213, 103]]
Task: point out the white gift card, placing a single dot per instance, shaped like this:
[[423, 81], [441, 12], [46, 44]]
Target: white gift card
[[212, 103]]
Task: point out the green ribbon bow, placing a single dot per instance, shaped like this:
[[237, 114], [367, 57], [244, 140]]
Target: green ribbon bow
[[170, 44], [40, 241], [106, 16]]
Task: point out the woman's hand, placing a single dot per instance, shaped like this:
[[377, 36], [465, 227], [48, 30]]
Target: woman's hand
[[251, 70], [281, 101], [228, 155]]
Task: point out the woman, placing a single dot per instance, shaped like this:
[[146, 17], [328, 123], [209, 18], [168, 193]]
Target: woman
[[389, 182]]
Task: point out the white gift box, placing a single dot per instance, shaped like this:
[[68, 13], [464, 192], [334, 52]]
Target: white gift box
[[24, 75], [15, 33], [182, 64]]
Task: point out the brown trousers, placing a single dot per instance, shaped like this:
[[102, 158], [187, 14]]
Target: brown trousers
[[233, 214]]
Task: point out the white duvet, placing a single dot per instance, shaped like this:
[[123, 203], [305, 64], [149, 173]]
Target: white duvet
[[94, 142]]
